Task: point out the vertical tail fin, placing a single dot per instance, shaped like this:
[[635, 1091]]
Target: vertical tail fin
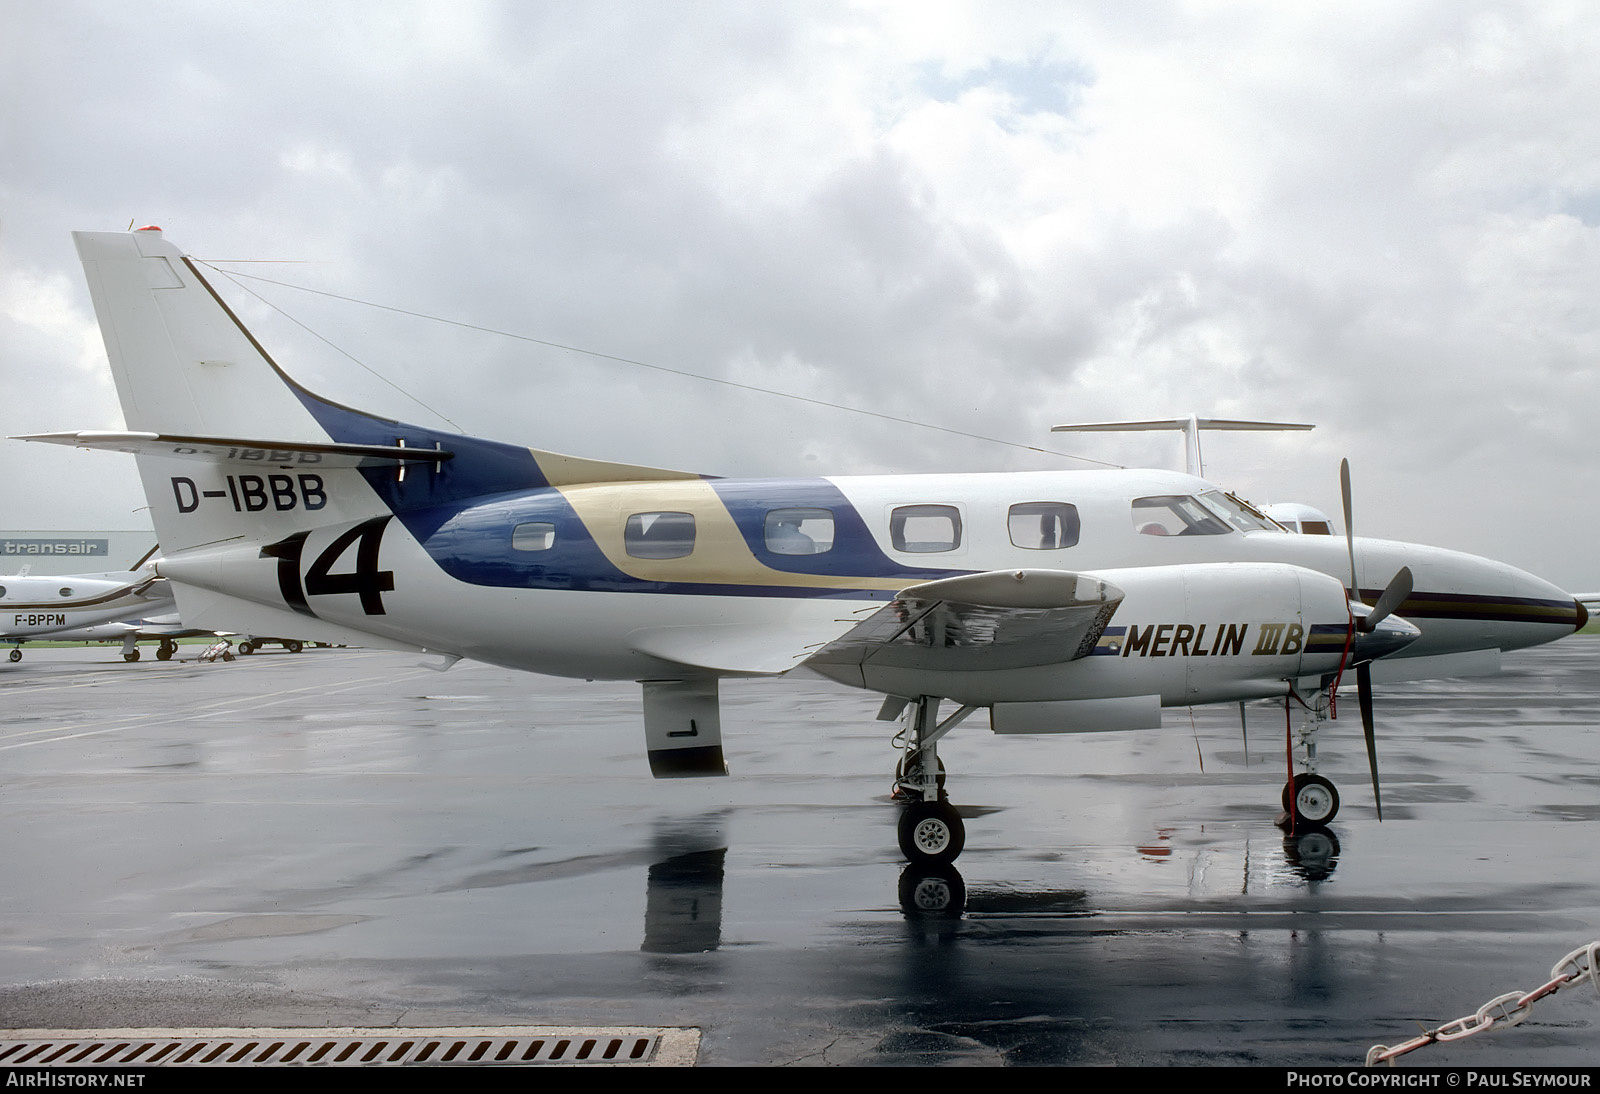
[[196, 387], [231, 447], [182, 361]]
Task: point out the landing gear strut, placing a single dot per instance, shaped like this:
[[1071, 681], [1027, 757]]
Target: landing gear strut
[[931, 831]]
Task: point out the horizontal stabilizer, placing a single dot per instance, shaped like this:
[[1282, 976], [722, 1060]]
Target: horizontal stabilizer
[[1003, 619], [1178, 424], [245, 451]]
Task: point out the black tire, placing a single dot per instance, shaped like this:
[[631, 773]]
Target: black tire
[[293, 645], [164, 653], [131, 655], [245, 648], [16, 655], [1311, 799], [931, 832]]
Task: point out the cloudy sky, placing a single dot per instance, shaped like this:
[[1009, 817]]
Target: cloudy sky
[[1380, 217]]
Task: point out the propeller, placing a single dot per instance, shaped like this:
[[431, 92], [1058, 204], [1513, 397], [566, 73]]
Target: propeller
[[1377, 635]]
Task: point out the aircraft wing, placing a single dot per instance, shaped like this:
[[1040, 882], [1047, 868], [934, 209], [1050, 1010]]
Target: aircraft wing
[[1002, 619]]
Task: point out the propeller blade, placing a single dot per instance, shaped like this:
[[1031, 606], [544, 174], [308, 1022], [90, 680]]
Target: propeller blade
[[1364, 695], [1393, 596], [1349, 527]]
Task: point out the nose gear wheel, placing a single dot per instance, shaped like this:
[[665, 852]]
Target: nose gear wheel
[[1312, 799]]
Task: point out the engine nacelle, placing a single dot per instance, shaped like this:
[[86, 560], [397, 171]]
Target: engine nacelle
[[1190, 634]]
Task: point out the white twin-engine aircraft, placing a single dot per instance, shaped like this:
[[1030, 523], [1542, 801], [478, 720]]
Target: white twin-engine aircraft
[[1059, 601], [122, 605]]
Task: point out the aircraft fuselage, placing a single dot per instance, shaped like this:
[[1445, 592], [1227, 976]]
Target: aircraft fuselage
[[569, 580]]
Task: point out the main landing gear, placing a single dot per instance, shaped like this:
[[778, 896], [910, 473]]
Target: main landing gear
[[164, 652], [931, 830]]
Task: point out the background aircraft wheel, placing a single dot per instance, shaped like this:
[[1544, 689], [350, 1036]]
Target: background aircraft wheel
[[931, 832], [245, 647], [131, 655], [293, 645], [1311, 798], [16, 655]]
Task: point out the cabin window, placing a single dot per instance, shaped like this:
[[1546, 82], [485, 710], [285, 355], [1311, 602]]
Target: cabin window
[[925, 529], [659, 535], [66, 590], [1043, 525], [538, 535], [799, 531], [1176, 515]]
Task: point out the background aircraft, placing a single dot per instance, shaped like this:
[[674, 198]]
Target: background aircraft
[[1191, 428], [1292, 515], [1057, 601], [126, 605]]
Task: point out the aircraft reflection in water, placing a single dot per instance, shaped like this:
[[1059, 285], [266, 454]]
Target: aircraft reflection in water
[[937, 890], [683, 907], [1059, 602]]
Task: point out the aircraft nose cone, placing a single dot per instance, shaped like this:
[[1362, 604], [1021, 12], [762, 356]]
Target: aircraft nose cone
[[1391, 635], [1583, 615]]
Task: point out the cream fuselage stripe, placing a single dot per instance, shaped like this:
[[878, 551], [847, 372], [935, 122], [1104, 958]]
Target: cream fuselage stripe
[[720, 556]]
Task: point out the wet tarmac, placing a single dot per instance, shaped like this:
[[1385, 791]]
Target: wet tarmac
[[344, 837]]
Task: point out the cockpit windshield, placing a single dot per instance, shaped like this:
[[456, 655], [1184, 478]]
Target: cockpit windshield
[[1238, 512], [1177, 515]]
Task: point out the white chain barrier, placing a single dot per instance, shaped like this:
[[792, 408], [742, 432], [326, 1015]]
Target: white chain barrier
[[1510, 1009]]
